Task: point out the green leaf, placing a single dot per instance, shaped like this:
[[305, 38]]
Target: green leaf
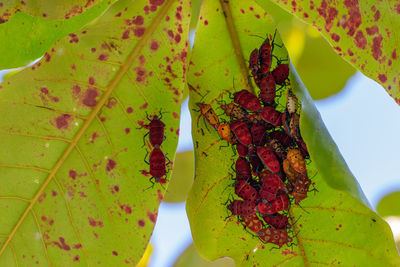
[[52, 10], [312, 56], [190, 257], [333, 225], [24, 38], [74, 183], [389, 205], [363, 32], [182, 177]]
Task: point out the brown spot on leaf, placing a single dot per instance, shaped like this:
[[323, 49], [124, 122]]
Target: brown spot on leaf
[[206, 22], [177, 38], [125, 34], [156, 2], [94, 136], [115, 253], [372, 30], [76, 258], [144, 106], [103, 57], [139, 31], [110, 165], [160, 196], [382, 78], [111, 102], [90, 97], [141, 223], [74, 38], [127, 130], [377, 15], [62, 121], [376, 47], [397, 8], [353, 20], [335, 37], [77, 246], [129, 110], [152, 216], [94, 223], [328, 13], [154, 45], [62, 244], [126, 208], [360, 40], [72, 174], [139, 20]]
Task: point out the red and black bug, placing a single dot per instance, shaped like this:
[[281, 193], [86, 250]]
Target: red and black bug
[[258, 131], [269, 159], [247, 100], [279, 203], [265, 55], [246, 191], [278, 221], [266, 83], [271, 184], [255, 162], [252, 222], [271, 115], [281, 73], [242, 150], [253, 62], [242, 207], [157, 164], [278, 237], [156, 131], [242, 169], [242, 133], [282, 137]]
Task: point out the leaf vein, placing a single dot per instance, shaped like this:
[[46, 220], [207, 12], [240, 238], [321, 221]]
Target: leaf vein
[[41, 236]]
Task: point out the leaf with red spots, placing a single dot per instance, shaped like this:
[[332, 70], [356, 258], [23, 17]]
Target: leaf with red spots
[[363, 32], [75, 186], [51, 10], [40, 33], [311, 54], [332, 226]]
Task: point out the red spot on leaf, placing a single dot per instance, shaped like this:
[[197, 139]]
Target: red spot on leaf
[[160, 196], [335, 37], [91, 80], [139, 20], [353, 20], [95, 223], [103, 57], [115, 253], [125, 34], [90, 97], [394, 56], [397, 8], [377, 15], [156, 2], [328, 13], [144, 106], [138, 32], [145, 173], [177, 38], [77, 246], [141, 223], [242, 10], [129, 110], [372, 30], [110, 165], [76, 258], [53, 193], [44, 218], [42, 197], [126, 208], [152, 216], [72, 174], [74, 38], [111, 103], [382, 78], [376, 47], [206, 22], [62, 244], [176, 115], [127, 130], [62, 121], [154, 45], [360, 40], [94, 136]]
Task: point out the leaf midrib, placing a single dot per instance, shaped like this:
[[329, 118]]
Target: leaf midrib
[[110, 88]]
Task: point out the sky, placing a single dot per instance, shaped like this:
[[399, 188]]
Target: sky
[[364, 122]]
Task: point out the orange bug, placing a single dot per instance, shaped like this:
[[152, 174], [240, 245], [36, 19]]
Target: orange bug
[[296, 160], [275, 236], [252, 222], [224, 130]]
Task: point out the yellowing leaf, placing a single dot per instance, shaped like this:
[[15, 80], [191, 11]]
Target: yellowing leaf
[[74, 183], [54, 9], [362, 32], [332, 226], [190, 257]]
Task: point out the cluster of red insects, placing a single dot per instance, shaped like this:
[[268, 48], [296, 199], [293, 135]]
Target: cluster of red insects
[[271, 170], [157, 159]]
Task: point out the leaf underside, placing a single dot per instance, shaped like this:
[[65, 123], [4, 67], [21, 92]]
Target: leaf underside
[[332, 226], [54, 9], [363, 32], [74, 184]]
